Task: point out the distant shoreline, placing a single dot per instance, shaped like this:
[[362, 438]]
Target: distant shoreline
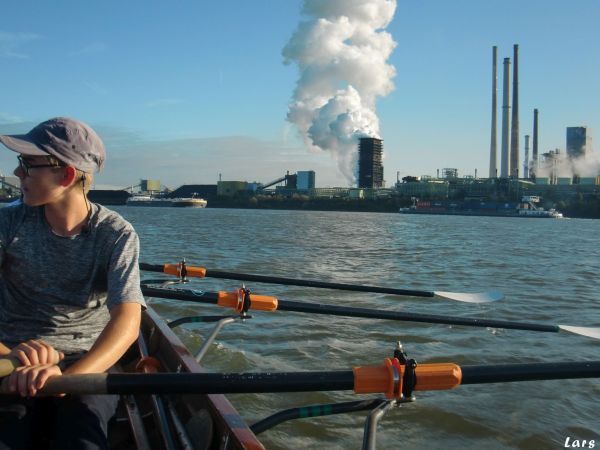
[[574, 209]]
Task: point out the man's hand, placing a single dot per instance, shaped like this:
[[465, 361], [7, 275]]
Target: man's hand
[[28, 380], [34, 352]]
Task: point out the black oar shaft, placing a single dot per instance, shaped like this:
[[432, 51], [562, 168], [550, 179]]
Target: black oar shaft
[[428, 377], [316, 284], [159, 268], [346, 311], [529, 372], [181, 294], [317, 308], [298, 282], [201, 383]]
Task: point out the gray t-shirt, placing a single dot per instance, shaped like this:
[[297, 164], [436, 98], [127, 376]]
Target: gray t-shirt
[[60, 289]]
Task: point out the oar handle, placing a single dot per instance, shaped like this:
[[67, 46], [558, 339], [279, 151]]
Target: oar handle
[[8, 365], [82, 384]]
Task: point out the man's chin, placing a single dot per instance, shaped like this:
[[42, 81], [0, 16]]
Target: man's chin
[[29, 201]]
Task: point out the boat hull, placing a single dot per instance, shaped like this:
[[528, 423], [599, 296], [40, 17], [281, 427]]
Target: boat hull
[[162, 202], [525, 208], [483, 214], [152, 203], [209, 421], [189, 203]]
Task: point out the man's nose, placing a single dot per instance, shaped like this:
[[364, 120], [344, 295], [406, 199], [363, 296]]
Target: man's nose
[[19, 172]]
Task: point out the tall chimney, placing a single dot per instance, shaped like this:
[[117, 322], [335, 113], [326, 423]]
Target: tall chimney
[[504, 160], [514, 125], [494, 140], [526, 161], [534, 158]]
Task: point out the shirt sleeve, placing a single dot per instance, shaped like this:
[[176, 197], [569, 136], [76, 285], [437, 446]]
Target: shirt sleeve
[[123, 271], [10, 217]]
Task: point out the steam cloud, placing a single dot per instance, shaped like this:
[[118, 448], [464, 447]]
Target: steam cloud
[[584, 166], [341, 51]]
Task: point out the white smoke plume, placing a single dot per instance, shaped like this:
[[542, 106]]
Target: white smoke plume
[[562, 166], [341, 50]]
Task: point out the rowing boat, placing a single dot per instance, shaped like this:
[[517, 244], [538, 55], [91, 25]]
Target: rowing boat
[[174, 421]]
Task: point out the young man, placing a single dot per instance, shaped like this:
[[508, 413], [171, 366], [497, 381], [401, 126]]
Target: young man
[[70, 298]]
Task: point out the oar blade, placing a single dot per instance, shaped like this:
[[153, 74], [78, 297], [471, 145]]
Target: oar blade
[[474, 297], [591, 332]]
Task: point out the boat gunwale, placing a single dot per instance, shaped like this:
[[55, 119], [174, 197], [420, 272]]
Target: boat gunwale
[[226, 417]]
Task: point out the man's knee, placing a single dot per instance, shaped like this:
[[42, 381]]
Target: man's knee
[[15, 423], [81, 422]]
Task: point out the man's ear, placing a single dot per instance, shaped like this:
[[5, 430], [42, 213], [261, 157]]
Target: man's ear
[[69, 175]]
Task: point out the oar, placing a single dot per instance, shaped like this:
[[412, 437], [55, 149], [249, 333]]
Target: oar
[[389, 378], [201, 272], [7, 365], [268, 303]]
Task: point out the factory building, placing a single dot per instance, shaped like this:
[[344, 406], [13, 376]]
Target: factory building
[[149, 185], [579, 142], [370, 168], [231, 188], [424, 189], [305, 180]]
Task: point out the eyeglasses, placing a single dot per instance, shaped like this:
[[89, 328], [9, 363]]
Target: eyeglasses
[[27, 166]]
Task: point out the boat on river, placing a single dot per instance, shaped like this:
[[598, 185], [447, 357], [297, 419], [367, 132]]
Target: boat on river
[[147, 200], [527, 207], [191, 202]]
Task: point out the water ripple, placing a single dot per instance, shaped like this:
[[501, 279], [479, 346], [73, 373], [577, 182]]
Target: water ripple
[[547, 269]]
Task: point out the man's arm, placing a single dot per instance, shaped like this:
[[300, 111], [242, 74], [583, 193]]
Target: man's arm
[[120, 332], [118, 335]]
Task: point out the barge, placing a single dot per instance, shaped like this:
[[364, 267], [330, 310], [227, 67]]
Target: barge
[[527, 207]]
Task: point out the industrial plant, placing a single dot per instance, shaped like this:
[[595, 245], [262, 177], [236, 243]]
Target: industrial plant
[[551, 175]]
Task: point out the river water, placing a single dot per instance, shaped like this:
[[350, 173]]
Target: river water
[[547, 269]]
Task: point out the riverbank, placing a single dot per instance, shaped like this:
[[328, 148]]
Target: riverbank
[[577, 208]]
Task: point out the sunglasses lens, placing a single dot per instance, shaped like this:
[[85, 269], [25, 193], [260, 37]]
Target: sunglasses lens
[[24, 166]]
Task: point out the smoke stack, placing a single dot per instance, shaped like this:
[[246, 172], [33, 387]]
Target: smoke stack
[[526, 163], [494, 140], [514, 126], [535, 144], [504, 160]]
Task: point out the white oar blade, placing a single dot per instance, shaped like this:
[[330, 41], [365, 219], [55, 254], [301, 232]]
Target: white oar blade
[[583, 331], [476, 297]]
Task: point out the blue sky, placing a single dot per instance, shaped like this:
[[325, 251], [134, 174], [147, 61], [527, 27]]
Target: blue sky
[[184, 91]]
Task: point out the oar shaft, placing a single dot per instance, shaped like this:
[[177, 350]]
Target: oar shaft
[[181, 294], [200, 383], [317, 308], [346, 311], [367, 379], [297, 282], [316, 284], [529, 372]]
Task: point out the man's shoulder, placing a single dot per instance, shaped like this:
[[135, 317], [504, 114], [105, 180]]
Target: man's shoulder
[[14, 210], [108, 219]]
